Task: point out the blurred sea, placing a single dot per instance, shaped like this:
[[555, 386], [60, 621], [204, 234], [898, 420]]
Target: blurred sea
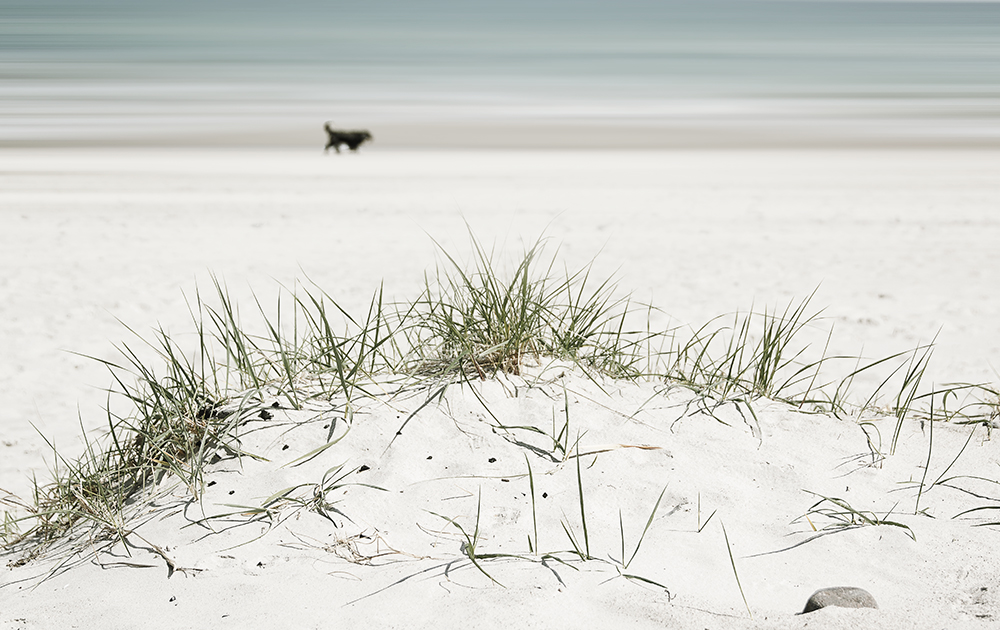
[[698, 72]]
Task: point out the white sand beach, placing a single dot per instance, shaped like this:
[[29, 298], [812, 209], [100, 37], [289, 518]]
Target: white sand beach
[[899, 246]]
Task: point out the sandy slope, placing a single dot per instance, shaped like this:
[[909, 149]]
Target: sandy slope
[[902, 245], [387, 555]]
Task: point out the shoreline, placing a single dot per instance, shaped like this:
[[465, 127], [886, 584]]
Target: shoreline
[[529, 135]]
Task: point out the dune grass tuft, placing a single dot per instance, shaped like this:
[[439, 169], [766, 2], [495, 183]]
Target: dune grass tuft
[[473, 322], [842, 516]]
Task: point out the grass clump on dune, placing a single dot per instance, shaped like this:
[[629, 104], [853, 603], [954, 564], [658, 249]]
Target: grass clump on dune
[[474, 322], [469, 323]]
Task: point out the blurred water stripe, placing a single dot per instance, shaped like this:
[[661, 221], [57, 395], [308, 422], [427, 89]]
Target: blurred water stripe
[[710, 71]]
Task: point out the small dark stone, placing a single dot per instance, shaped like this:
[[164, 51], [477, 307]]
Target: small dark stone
[[545, 495], [363, 468], [265, 414], [493, 460], [232, 492], [173, 598], [285, 447], [211, 483], [276, 405], [430, 457], [505, 480], [842, 596]]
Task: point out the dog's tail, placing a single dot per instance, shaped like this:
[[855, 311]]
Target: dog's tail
[[326, 125]]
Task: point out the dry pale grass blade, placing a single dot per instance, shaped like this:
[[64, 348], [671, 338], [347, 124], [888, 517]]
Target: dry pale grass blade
[[732, 561]]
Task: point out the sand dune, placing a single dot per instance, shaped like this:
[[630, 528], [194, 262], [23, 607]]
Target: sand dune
[[901, 246]]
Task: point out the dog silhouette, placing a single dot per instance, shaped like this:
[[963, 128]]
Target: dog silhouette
[[353, 138]]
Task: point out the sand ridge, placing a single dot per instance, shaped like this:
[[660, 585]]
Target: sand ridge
[[390, 535]]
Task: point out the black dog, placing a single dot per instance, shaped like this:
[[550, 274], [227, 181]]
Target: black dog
[[353, 139]]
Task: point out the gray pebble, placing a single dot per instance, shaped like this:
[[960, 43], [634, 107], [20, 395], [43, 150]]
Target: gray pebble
[[843, 596]]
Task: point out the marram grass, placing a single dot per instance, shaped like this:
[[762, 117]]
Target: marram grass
[[469, 322]]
